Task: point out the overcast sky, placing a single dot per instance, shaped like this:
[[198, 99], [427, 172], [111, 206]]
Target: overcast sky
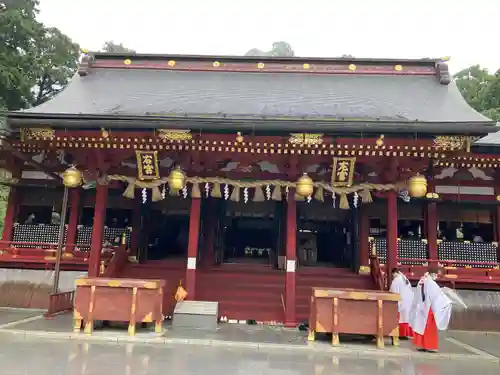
[[466, 30]]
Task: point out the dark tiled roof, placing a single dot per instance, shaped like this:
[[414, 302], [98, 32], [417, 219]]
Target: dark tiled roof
[[492, 139], [122, 92]]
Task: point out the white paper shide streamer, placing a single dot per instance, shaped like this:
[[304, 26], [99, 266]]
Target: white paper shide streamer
[[245, 195]]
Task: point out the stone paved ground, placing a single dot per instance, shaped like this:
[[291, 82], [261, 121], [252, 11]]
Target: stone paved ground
[[68, 357], [488, 342], [229, 334], [8, 315]]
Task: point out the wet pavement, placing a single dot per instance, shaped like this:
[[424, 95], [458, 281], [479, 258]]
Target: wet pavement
[[254, 336], [8, 315], [35, 356]]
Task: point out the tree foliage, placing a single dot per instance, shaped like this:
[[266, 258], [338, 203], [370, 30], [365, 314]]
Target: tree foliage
[[112, 47], [279, 49], [35, 61], [481, 90]]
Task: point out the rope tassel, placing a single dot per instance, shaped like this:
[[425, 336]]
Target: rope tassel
[[366, 196], [277, 195], [129, 191], [216, 191], [344, 203], [235, 195], [195, 191], [258, 195], [319, 195]]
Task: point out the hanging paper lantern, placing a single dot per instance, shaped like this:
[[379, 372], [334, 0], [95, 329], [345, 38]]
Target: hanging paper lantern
[[176, 179], [417, 186], [305, 185]]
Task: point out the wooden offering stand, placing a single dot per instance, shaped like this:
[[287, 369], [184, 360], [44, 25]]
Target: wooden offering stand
[[123, 300], [363, 312]]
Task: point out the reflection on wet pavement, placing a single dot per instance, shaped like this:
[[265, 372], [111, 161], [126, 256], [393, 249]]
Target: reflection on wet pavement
[[29, 356]]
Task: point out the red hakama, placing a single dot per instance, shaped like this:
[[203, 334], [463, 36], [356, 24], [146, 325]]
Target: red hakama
[[429, 340], [405, 330]]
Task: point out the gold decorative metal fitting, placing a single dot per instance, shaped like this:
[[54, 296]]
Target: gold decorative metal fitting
[[398, 68], [432, 196], [104, 133], [216, 64], [127, 61], [260, 65], [352, 67], [239, 137], [306, 66], [380, 141], [454, 143], [304, 139], [175, 134], [39, 133], [171, 63], [498, 198]]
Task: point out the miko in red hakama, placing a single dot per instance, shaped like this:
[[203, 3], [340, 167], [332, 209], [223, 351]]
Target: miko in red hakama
[[405, 330], [400, 285], [430, 339], [431, 313]]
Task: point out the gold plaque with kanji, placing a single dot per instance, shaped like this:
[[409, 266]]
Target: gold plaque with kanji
[[343, 171], [147, 165]]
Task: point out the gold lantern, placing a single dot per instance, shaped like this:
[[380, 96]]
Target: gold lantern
[[305, 186], [417, 186], [239, 137], [176, 179], [72, 177]]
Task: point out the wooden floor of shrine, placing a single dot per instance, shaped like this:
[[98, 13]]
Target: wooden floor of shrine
[[247, 291]]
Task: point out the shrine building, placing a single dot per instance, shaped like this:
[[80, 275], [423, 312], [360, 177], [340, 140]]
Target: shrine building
[[250, 180]]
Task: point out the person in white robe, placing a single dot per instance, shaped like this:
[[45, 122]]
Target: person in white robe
[[402, 286], [431, 313]]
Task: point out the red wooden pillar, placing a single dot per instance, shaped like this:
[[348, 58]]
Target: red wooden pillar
[[101, 198], [291, 259], [392, 233], [10, 215], [194, 232], [136, 225], [364, 234], [207, 258], [74, 215], [432, 231]]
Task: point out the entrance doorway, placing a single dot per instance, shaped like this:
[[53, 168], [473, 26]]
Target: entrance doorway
[[322, 243], [250, 233], [325, 236], [164, 230]]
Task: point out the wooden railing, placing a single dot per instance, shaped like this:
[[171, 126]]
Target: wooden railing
[[117, 262], [60, 302], [452, 263], [45, 253], [376, 272]]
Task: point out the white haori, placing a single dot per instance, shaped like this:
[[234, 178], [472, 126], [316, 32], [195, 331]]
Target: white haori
[[435, 301], [402, 286]]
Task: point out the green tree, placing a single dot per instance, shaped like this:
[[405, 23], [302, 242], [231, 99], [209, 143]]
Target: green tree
[[279, 49], [112, 47], [19, 32], [57, 61], [35, 62], [481, 90]]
